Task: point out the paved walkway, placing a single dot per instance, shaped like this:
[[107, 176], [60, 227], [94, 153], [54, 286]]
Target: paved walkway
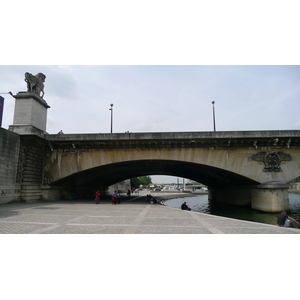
[[130, 217]]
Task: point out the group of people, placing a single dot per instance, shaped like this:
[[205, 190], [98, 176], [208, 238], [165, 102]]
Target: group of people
[[152, 200], [283, 220], [115, 198]]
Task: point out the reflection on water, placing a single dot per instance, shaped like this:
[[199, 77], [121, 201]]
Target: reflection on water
[[200, 203]]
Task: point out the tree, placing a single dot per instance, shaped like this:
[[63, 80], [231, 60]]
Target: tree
[[142, 180], [145, 180]]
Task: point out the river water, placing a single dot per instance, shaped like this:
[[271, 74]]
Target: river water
[[200, 203]]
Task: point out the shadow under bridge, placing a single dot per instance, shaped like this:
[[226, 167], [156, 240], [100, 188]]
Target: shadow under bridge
[[85, 183]]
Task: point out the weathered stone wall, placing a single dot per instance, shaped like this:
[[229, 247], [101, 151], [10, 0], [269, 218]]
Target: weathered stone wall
[[295, 187], [122, 187], [9, 154], [31, 167], [237, 161]]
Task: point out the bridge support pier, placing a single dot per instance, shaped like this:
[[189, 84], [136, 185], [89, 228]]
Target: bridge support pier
[[270, 197], [234, 196]]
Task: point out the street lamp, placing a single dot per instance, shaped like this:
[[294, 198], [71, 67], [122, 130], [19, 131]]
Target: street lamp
[[111, 117], [213, 103]]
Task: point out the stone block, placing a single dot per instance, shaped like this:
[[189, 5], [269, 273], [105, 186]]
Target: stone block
[[30, 113]]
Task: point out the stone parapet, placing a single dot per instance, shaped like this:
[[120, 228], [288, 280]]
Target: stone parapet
[[26, 130]]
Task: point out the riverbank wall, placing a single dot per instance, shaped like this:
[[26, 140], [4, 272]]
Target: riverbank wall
[[9, 156], [295, 187]]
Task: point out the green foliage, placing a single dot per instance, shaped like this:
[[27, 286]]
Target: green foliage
[[142, 180], [134, 182], [145, 180]]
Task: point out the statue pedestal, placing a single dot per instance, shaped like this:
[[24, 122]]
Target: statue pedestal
[[30, 116]]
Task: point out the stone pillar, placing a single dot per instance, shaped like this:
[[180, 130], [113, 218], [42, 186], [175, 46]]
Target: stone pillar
[[212, 195], [50, 193], [270, 197], [232, 195], [30, 116]]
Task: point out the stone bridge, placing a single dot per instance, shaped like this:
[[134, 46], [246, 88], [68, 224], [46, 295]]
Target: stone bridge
[[242, 168]]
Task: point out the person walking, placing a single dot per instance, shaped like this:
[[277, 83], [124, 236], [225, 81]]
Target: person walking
[[97, 197], [114, 197]]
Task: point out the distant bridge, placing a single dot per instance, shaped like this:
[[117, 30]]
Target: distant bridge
[[239, 167]]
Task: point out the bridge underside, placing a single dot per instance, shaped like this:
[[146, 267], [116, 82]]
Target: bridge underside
[[84, 183], [224, 186], [113, 173]]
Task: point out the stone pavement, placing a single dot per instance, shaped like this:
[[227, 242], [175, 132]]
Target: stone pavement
[[133, 216]]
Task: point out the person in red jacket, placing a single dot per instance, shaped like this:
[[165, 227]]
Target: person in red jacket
[[97, 197]]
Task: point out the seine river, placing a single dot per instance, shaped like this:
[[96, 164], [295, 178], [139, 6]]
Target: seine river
[[200, 203]]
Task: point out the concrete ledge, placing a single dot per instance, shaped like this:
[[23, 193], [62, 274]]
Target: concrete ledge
[[26, 95], [26, 130], [176, 135]]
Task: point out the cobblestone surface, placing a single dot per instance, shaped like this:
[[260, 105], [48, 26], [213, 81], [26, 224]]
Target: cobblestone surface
[[130, 217]]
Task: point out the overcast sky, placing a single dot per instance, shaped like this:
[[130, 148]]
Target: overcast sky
[[161, 68], [162, 98]]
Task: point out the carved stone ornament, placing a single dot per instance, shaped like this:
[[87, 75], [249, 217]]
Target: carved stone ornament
[[271, 160], [35, 84]]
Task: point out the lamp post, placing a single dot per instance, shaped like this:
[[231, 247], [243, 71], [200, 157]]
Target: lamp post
[[214, 118], [111, 118], [10, 93]]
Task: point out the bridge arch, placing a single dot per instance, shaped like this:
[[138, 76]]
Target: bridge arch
[[85, 182], [115, 172], [238, 167]]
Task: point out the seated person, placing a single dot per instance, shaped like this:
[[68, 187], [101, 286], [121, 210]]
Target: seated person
[[184, 206], [282, 217], [155, 201]]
